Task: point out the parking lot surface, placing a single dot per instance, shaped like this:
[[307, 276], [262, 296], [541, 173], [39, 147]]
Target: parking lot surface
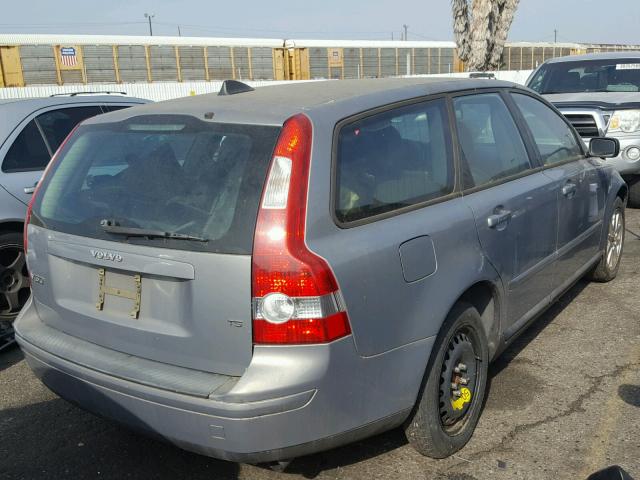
[[563, 401]]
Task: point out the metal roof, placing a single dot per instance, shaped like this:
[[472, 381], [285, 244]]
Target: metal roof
[[273, 105], [57, 39], [307, 43], [39, 39], [620, 55]]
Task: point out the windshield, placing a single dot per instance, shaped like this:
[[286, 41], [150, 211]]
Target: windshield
[[163, 173], [588, 76]]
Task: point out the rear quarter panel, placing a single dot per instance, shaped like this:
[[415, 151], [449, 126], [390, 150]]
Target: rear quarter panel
[[386, 311], [11, 210]]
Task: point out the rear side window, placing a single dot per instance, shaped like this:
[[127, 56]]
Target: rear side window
[[167, 173], [28, 151], [392, 160], [553, 137], [492, 148], [57, 124]]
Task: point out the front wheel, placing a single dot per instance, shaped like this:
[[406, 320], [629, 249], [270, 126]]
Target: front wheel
[[453, 389], [609, 264], [14, 277]]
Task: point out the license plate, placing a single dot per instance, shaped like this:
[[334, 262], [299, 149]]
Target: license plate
[[104, 290]]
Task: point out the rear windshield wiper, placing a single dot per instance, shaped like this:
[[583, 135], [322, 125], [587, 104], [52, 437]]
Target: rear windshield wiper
[[109, 227]]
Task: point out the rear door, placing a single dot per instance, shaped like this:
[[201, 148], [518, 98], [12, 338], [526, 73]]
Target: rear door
[[579, 184], [514, 204], [185, 300], [27, 154]]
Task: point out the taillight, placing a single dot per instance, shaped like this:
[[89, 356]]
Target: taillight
[[295, 294], [27, 220]]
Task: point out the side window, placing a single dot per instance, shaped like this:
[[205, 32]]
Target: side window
[[553, 137], [392, 160], [57, 124], [28, 151], [492, 148]]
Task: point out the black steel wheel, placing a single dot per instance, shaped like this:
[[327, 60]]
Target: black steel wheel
[[450, 399], [458, 381], [14, 278]]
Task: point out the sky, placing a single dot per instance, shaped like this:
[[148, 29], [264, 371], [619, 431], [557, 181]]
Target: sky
[[594, 21]]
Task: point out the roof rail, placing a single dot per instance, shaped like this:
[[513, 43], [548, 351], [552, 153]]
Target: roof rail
[[75, 94], [233, 87]]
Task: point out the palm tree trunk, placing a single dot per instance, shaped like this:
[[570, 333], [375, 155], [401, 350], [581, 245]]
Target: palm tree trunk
[[461, 27], [507, 11], [480, 34]]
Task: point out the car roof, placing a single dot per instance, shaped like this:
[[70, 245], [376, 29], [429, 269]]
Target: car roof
[[272, 105], [620, 55]]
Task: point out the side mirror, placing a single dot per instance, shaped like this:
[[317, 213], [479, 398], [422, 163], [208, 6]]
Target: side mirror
[[604, 147]]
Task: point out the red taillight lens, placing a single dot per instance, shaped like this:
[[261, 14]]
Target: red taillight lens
[[296, 296], [27, 220]]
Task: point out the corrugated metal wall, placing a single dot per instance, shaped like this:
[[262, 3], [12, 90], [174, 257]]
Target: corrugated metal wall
[[192, 63], [318, 63], [388, 62], [38, 64], [164, 67], [351, 62], [404, 59], [262, 63], [152, 91], [241, 61], [132, 63], [370, 62], [219, 59], [98, 63]]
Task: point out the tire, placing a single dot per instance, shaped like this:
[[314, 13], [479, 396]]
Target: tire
[[432, 428], [634, 191], [609, 264], [14, 278]]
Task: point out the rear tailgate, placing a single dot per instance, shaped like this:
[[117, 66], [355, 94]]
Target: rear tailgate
[[182, 301]]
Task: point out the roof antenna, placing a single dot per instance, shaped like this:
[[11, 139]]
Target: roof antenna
[[233, 87]]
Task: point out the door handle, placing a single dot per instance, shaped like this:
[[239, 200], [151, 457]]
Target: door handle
[[500, 217], [569, 189], [30, 190]]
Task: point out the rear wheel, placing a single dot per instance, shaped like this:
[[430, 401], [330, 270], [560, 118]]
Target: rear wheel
[[453, 390], [609, 264], [634, 191], [14, 277]]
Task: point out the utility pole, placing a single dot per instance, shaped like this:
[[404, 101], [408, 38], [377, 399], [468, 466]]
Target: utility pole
[[179, 32], [149, 16], [405, 27], [555, 36]]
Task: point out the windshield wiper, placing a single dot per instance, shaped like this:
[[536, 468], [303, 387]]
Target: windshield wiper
[[110, 227]]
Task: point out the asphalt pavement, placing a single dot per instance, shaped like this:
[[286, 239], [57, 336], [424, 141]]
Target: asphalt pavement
[[564, 400]]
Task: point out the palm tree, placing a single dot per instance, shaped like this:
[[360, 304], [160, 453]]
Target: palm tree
[[481, 28]]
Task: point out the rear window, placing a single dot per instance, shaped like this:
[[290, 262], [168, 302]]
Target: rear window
[[165, 173]]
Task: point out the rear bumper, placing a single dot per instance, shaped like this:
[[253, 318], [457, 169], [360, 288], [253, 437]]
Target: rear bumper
[[291, 401]]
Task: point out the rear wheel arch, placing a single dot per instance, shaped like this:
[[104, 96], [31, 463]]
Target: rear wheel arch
[[484, 296]]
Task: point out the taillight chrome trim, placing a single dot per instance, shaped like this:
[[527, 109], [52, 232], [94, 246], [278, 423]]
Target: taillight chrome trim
[[327, 305]]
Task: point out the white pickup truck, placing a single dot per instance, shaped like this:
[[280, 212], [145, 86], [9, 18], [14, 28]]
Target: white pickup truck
[[599, 93]]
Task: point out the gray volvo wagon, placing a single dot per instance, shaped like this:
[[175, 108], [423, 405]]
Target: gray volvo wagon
[[260, 275]]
